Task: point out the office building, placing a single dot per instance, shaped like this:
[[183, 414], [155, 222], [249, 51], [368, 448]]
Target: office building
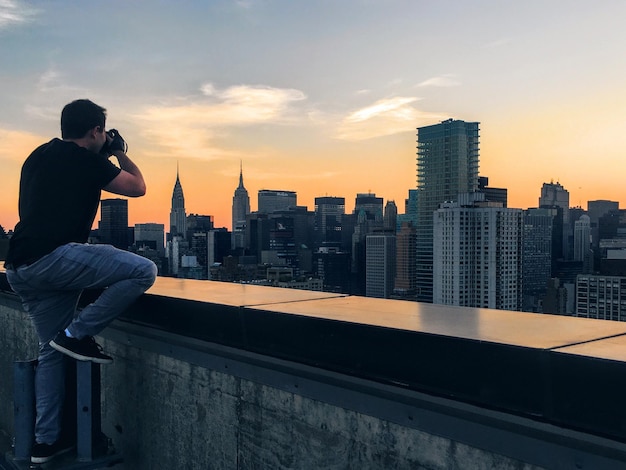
[[582, 238], [271, 201], [536, 257], [113, 225], [368, 218], [492, 194], [447, 165], [380, 265], [555, 196]]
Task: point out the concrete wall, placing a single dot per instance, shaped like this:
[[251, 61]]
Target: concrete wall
[[165, 412]]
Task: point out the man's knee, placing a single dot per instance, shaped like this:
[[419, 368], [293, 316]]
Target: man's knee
[[148, 272]]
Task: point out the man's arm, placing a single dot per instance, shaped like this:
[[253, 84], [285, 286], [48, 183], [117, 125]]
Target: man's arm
[[129, 182]]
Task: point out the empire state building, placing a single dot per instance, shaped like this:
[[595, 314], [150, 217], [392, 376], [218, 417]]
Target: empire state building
[[178, 217], [241, 208]]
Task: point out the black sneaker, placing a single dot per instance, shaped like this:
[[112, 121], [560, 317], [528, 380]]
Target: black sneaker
[[43, 453], [85, 349]]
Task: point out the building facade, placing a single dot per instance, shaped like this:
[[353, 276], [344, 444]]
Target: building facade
[[151, 235], [536, 257], [477, 256], [601, 297], [582, 237], [271, 200], [405, 262], [380, 265], [329, 212]]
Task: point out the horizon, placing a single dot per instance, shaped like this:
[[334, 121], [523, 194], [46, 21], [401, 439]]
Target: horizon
[[321, 98]]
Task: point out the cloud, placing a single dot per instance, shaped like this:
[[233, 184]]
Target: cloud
[[384, 117], [192, 127], [497, 43], [12, 12], [447, 80], [16, 146]]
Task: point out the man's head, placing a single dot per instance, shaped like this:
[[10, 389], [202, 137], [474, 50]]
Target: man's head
[[81, 116], [82, 122]]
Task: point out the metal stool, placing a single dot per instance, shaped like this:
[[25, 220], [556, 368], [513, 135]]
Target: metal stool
[[93, 449]]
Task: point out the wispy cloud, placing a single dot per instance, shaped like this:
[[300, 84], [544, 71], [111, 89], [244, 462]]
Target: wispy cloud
[[446, 80], [13, 12], [497, 43], [192, 127], [53, 81], [384, 117]]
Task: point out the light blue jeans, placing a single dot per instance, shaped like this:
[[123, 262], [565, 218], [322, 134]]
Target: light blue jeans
[[50, 288]]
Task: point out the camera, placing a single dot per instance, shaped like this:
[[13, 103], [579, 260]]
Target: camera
[[117, 142]]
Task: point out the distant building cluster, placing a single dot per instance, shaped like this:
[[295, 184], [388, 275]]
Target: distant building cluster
[[456, 242]]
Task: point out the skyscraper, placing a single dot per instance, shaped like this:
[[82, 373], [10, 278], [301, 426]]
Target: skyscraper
[[241, 208], [536, 257], [555, 196], [595, 210], [368, 217], [447, 165], [178, 217], [113, 225]]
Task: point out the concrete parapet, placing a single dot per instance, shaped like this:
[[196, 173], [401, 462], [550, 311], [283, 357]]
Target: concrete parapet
[[174, 400]]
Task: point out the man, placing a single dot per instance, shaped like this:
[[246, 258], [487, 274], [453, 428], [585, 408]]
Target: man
[[49, 262]]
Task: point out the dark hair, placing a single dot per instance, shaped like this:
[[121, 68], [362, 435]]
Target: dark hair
[[79, 116]]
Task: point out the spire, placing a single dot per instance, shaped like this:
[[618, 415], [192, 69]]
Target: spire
[[240, 174]]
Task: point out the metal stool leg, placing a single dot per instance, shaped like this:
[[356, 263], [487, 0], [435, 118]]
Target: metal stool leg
[[87, 408], [24, 407]]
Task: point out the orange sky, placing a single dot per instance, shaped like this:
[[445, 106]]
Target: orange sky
[[323, 98]]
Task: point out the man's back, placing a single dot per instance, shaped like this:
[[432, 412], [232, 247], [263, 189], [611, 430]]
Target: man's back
[[59, 195]]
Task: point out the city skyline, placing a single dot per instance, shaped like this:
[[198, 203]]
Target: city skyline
[[321, 98]]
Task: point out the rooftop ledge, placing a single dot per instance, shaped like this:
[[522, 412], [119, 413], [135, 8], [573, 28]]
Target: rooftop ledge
[[566, 371]]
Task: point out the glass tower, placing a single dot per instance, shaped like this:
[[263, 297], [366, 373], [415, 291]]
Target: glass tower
[[447, 165]]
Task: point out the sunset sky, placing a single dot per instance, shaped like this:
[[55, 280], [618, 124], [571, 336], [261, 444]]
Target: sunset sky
[[321, 97]]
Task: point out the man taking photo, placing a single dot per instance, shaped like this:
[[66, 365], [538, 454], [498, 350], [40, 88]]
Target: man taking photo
[[49, 262]]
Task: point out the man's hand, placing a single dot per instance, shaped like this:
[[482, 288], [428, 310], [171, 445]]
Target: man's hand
[[116, 142]]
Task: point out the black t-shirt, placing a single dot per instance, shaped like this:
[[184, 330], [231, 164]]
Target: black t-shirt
[[59, 197]]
